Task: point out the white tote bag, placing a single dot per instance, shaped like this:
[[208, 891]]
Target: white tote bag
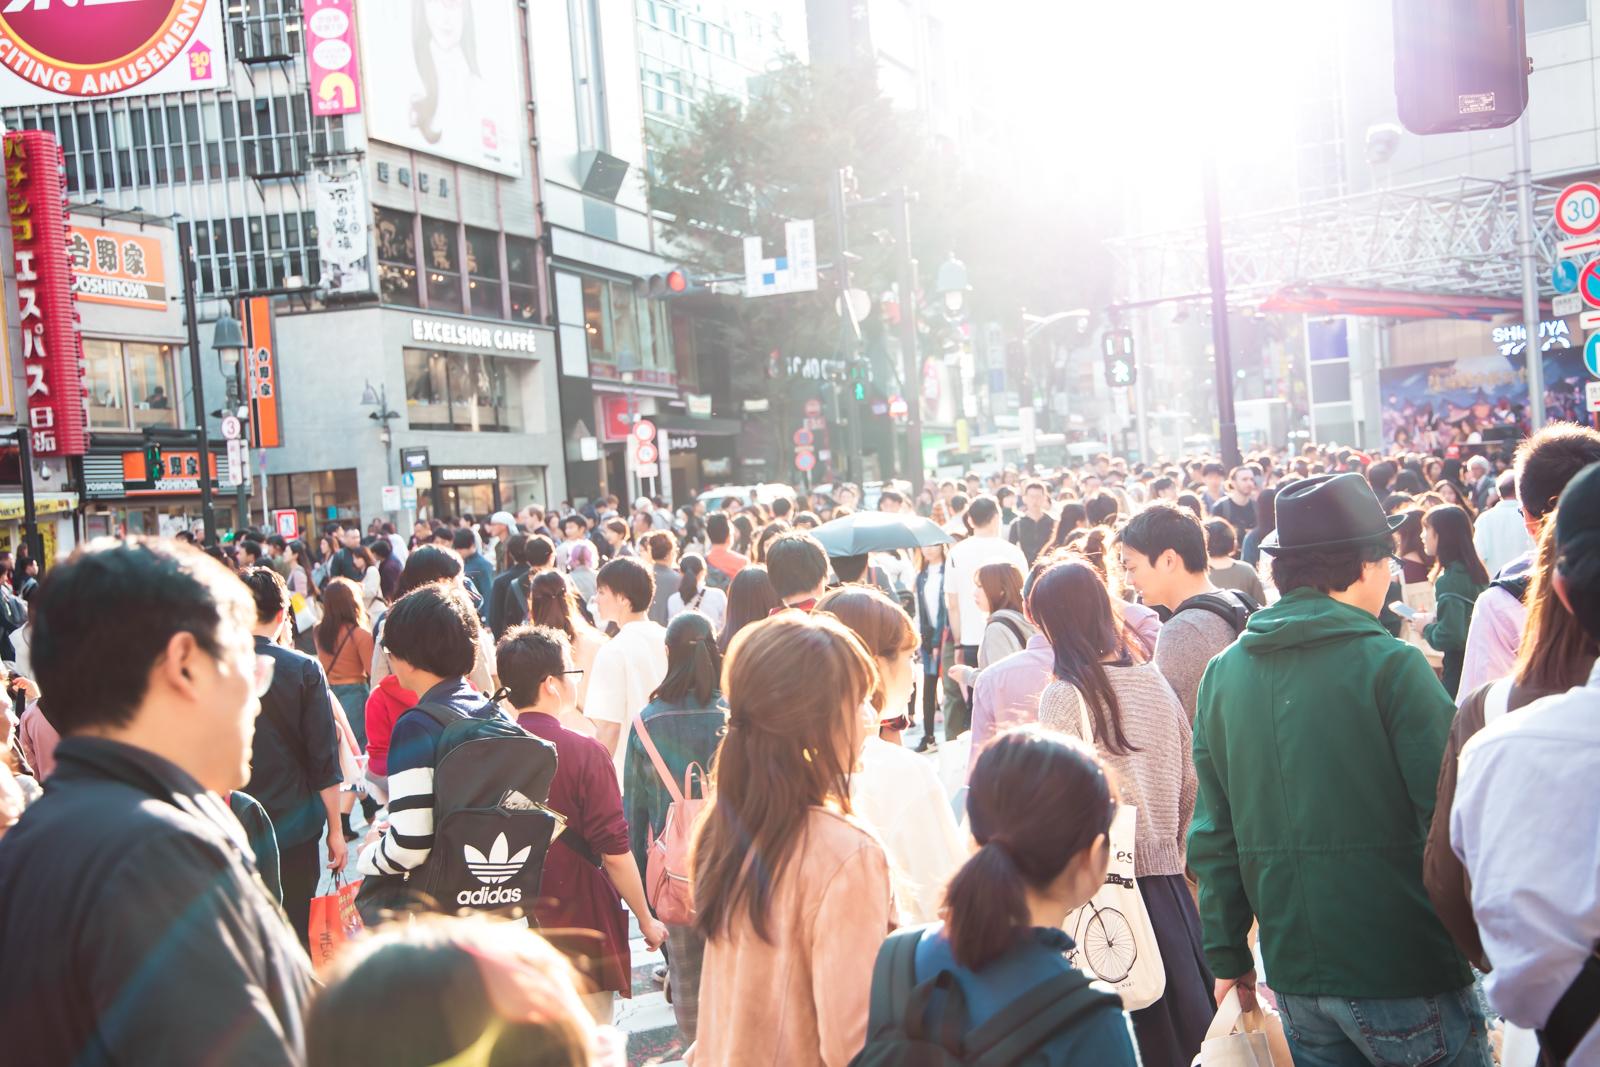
[[1112, 936], [1243, 1039]]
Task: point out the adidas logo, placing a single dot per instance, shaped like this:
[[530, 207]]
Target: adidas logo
[[497, 867]]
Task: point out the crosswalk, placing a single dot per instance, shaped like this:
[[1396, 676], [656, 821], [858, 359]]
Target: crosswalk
[[647, 1019]]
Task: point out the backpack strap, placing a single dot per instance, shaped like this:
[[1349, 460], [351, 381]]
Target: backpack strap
[[1235, 612], [1574, 1015], [1035, 1017], [1010, 624], [1517, 586], [894, 978], [655, 758], [437, 712]]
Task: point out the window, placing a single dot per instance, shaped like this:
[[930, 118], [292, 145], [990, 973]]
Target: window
[[442, 260], [588, 73], [397, 256], [1553, 14], [483, 272], [597, 319], [462, 391], [624, 326], [522, 274], [130, 385]]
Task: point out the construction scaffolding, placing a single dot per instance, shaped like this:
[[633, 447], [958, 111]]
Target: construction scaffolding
[[1454, 237]]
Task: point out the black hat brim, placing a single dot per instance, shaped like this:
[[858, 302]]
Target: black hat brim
[[1269, 543]]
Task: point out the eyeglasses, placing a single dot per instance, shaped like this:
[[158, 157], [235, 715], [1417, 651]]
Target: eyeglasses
[[575, 670]]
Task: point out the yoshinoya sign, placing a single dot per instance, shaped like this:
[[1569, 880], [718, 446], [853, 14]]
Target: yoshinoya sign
[[474, 335], [60, 50], [124, 269]]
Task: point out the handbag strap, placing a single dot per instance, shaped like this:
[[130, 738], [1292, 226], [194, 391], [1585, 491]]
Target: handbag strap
[[1574, 1015], [655, 758]]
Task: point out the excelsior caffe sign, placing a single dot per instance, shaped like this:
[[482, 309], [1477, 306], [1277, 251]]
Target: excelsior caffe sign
[[476, 335]]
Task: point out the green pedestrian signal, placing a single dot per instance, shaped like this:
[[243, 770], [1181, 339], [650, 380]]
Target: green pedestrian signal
[[861, 390]]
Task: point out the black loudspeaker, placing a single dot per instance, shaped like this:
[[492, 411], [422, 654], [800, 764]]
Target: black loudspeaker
[[1459, 64]]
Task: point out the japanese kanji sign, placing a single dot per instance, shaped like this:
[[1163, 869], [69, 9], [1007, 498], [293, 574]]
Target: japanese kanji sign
[[342, 215], [261, 366], [52, 349], [117, 268]]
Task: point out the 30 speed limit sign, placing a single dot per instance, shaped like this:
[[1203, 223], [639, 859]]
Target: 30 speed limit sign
[[1578, 208]]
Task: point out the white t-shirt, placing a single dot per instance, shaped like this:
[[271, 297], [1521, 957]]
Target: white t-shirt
[[899, 795], [712, 603], [626, 671], [965, 560]]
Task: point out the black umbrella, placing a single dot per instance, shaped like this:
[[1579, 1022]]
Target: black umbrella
[[878, 531]]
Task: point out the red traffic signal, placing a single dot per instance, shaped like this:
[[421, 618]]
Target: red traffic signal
[[672, 283]]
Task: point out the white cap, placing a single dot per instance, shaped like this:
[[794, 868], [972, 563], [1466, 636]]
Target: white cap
[[503, 518]]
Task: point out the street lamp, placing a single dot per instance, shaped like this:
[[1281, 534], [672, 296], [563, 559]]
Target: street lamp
[[379, 398], [951, 283], [228, 341]]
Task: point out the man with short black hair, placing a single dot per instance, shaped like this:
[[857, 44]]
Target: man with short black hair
[[782, 507], [890, 500], [134, 924], [722, 563], [278, 555], [431, 635], [250, 553], [479, 572], [1211, 478], [1317, 744], [294, 765], [1032, 529], [1500, 535], [1100, 508], [1164, 488], [1526, 823], [1545, 463], [797, 566], [628, 667]]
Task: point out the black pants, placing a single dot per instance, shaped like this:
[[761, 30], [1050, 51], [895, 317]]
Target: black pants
[[300, 867], [968, 655]]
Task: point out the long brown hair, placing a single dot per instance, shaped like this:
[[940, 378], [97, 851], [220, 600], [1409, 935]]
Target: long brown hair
[[552, 603], [1452, 536], [1037, 799], [1002, 586], [342, 607], [794, 685], [881, 624], [1070, 604], [1556, 652]]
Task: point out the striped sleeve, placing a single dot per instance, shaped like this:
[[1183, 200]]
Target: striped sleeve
[[405, 845]]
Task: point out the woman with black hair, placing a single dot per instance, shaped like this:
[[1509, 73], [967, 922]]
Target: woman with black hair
[[553, 602], [692, 594], [684, 721], [1458, 577], [751, 598], [1107, 694], [1266, 522]]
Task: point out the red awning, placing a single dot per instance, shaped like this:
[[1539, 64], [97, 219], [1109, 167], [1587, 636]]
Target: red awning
[[1389, 303]]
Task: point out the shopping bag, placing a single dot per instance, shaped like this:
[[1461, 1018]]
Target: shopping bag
[[1244, 1038], [1113, 940], [335, 922]]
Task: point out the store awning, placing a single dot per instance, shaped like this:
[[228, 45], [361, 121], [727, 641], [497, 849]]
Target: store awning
[[712, 427], [1387, 303], [43, 504]]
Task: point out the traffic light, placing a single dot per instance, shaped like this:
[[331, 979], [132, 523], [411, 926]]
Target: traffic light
[[830, 401], [1117, 347], [1459, 64], [858, 379], [664, 286]]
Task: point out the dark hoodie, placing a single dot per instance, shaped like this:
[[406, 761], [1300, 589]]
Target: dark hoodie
[[1317, 744]]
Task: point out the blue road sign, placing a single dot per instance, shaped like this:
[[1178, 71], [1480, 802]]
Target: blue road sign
[[1564, 276], [1591, 354], [408, 479]]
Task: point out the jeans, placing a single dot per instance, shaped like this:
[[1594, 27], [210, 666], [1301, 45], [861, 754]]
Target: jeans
[[1446, 1030]]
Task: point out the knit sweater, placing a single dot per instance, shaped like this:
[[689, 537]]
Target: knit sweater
[[1157, 775]]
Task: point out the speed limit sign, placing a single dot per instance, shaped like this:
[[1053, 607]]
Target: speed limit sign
[[646, 453], [1578, 208]]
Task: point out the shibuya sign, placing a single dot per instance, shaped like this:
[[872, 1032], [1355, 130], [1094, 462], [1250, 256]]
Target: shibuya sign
[[475, 335], [61, 50]]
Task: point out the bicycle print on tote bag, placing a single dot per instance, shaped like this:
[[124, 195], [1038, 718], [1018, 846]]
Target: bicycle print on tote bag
[[1114, 941]]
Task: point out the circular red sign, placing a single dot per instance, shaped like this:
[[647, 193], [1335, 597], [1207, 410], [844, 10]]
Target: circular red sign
[[139, 38], [814, 408], [1589, 283], [805, 461], [644, 430], [802, 438], [646, 453], [1578, 208]]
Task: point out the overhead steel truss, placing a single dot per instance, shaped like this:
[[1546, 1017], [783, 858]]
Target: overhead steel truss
[[1456, 236]]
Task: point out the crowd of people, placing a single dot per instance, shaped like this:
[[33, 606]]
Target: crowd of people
[[1336, 713]]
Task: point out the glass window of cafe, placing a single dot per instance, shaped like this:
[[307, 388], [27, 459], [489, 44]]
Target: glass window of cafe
[[463, 391], [130, 384], [625, 328]]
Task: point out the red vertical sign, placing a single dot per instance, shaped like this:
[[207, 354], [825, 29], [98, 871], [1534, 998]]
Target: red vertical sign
[[52, 348], [261, 372]]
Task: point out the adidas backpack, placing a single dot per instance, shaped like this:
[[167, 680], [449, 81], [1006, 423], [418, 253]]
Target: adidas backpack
[[491, 829], [899, 1033]]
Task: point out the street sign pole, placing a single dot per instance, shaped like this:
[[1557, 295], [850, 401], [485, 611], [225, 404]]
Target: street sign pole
[[1227, 427], [1533, 350]]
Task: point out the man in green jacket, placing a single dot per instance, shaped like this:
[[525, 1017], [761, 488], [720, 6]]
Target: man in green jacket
[[1317, 743]]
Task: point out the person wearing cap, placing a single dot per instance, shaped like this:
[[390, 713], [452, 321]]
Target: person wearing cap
[[1317, 744], [502, 524], [1526, 824]]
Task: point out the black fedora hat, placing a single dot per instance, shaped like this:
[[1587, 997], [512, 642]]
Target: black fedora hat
[[1328, 511]]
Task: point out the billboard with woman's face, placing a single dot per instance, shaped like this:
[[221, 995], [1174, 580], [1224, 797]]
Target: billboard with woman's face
[[443, 77]]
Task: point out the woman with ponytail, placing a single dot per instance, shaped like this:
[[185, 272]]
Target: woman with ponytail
[[1107, 695], [552, 602], [1041, 806], [693, 594], [685, 720], [792, 893]]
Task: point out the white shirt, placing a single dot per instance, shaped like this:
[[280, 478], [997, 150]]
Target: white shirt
[[712, 603], [965, 560], [1500, 535], [1526, 824], [626, 671], [899, 795], [932, 594]]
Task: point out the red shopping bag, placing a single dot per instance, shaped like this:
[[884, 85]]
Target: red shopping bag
[[335, 922]]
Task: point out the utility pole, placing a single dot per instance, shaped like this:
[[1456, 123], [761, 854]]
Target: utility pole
[[849, 333], [1533, 350], [1227, 426], [208, 511], [910, 361]]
